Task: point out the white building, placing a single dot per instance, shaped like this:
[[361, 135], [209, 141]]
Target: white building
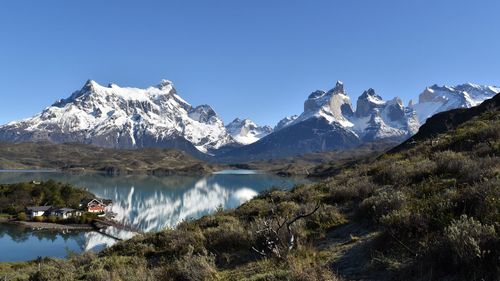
[[37, 211]]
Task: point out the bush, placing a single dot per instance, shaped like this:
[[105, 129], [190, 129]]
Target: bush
[[458, 165], [227, 237], [354, 188], [469, 240], [22, 216], [52, 219], [382, 203], [38, 219], [174, 243], [325, 218], [62, 271], [117, 268], [192, 267]]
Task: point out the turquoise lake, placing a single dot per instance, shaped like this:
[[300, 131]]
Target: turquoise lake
[[148, 203]]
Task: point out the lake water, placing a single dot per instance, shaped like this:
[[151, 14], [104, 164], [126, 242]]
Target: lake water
[[147, 203]]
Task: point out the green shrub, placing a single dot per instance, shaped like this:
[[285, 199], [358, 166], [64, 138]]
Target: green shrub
[[52, 219], [62, 271], [192, 267], [117, 268], [325, 218], [382, 203], [175, 243], [38, 219], [355, 188], [469, 240], [22, 216], [458, 165]]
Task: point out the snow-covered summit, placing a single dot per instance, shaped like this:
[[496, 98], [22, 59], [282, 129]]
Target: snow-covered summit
[[435, 99], [374, 118], [246, 131], [123, 117], [333, 105]]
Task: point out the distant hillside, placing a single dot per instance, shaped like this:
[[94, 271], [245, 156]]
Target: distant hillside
[[430, 211], [321, 164], [79, 157]]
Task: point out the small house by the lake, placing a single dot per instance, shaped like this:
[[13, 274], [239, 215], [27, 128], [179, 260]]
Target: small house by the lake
[[65, 213], [38, 211], [96, 206]]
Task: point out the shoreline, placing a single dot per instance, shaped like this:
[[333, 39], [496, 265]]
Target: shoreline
[[53, 226]]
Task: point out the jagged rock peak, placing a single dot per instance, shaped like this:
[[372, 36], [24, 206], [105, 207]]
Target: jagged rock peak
[[367, 102], [89, 85], [339, 87], [370, 93]]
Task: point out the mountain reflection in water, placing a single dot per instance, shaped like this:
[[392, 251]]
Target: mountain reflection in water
[[150, 203]]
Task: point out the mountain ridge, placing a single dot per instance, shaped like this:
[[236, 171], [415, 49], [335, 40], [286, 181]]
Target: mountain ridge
[[126, 117]]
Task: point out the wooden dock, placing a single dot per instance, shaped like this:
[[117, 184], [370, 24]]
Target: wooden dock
[[102, 224]]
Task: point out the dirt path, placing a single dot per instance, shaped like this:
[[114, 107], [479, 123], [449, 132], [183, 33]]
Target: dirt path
[[349, 247]]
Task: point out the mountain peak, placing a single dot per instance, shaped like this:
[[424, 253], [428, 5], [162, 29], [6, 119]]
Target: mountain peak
[[89, 85], [245, 131], [436, 98], [339, 88], [367, 102], [164, 83]]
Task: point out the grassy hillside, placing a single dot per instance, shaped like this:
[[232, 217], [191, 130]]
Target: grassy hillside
[[79, 157], [430, 211]]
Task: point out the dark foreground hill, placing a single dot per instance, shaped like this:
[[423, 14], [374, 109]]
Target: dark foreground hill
[[75, 157], [427, 212]]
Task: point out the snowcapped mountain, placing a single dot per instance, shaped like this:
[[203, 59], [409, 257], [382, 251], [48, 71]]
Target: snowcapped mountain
[[435, 99], [373, 118], [246, 131], [121, 117], [329, 121]]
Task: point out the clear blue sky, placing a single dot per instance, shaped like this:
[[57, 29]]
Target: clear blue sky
[[258, 59]]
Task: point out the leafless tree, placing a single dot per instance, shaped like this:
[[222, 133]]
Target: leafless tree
[[276, 236]]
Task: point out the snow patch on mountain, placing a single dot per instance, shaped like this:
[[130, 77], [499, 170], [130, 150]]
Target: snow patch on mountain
[[246, 131], [435, 99]]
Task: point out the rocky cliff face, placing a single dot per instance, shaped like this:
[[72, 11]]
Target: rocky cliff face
[[373, 118]]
